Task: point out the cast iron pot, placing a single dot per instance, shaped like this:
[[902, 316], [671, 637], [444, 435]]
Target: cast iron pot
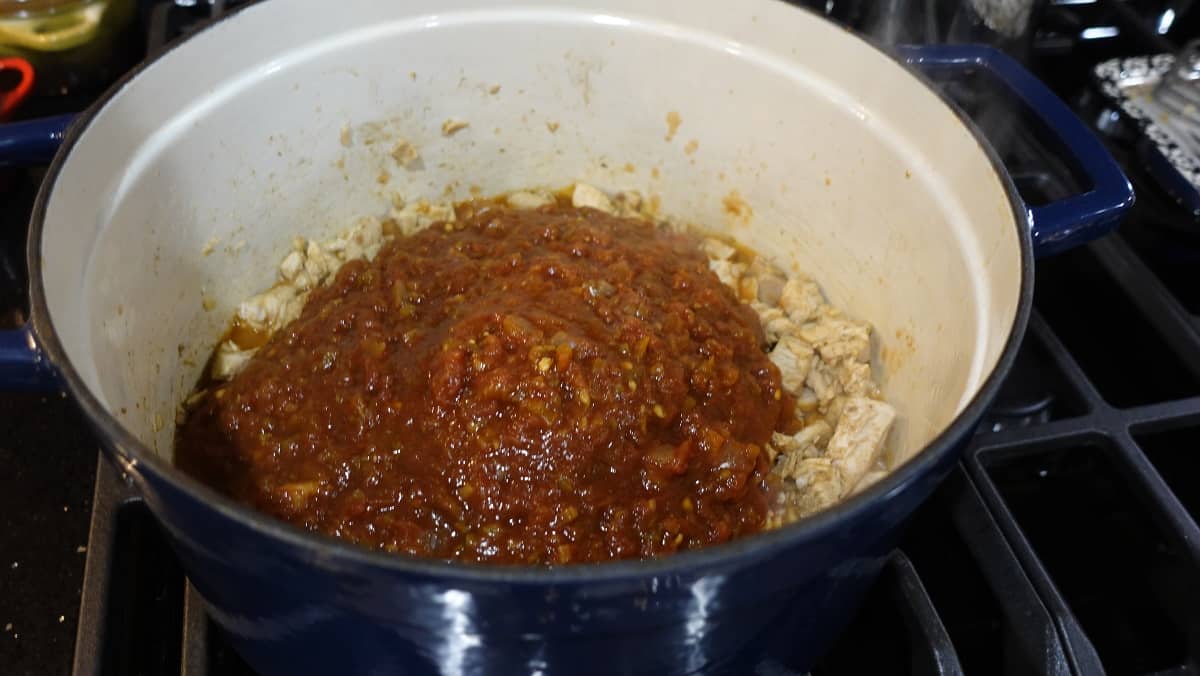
[[182, 188]]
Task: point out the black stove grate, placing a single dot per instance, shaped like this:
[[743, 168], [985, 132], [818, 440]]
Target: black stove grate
[[1066, 542]]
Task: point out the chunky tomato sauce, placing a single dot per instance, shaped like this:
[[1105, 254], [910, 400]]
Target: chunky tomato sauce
[[536, 387]]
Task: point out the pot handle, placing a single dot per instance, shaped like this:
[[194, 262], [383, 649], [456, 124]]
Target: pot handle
[[22, 364], [23, 367], [1067, 222], [32, 143]]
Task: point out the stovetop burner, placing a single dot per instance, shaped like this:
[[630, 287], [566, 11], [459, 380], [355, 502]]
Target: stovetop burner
[[1065, 543]]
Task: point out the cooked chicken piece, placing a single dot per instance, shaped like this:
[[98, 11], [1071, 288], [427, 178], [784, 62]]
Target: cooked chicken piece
[[815, 434], [806, 400], [413, 217], [855, 379], [820, 484], [822, 381], [360, 241], [785, 452], [270, 310], [529, 199], [766, 312], [801, 298], [771, 453], [585, 195], [788, 465], [794, 357], [292, 265], [833, 410], [631, 204], [805, 443], [728, 273], [850, 462], [858, 440], [770, 289], [782, 512], [229, 360], [838, 338], [307, 266], [769, 281], [436, 212], [747, 288], [774, 322], [318, 264], [715, 249]]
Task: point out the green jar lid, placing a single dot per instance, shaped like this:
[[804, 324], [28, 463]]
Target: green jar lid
[[40, 8], [49, 25]]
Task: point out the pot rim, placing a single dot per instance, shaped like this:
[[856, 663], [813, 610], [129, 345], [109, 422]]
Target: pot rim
[[136, 457]]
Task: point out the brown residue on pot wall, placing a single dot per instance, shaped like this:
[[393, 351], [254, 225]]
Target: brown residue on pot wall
[[673, 122], [737, 208], [895, 353]]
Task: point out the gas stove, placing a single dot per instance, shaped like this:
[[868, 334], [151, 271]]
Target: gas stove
[[1066, 541]]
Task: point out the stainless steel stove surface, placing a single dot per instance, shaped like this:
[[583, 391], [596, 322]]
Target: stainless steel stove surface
[[1065, 543]]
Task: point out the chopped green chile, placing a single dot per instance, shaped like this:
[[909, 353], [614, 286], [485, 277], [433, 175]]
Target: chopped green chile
[[541, 387]]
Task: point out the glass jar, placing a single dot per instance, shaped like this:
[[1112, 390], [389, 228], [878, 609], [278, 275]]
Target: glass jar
[[77, 47]]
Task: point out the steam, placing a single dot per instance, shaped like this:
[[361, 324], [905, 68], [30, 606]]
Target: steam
[[937, 21], [1007, 17], [1003, 23]]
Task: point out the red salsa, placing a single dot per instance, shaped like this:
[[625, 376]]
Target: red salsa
[[542, 386]]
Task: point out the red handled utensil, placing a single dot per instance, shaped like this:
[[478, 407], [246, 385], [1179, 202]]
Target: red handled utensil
[[10, 99]]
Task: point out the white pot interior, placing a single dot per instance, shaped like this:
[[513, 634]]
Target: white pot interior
[[854, 171]]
